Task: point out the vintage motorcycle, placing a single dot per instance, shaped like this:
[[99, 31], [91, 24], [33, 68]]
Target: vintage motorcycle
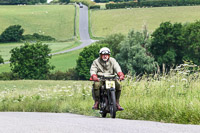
[[107, 95]]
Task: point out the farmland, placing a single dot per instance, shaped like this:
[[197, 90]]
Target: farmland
[[106, 22], [56, 21]]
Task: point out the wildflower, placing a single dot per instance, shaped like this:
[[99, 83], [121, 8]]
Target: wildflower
[[172, 86], [184, 79]]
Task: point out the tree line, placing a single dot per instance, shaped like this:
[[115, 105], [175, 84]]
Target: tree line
[[16, 2], [160, 3]]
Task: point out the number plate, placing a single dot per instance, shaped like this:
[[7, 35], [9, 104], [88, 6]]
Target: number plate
[[110, 84]]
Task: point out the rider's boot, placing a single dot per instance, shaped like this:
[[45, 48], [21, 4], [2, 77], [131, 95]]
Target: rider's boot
[[118, 106], [96, 105]]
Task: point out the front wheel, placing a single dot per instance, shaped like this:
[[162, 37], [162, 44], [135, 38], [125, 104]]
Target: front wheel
[[113, 107]]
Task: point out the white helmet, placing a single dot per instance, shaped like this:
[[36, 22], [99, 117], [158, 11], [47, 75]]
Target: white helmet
[[104, 50]]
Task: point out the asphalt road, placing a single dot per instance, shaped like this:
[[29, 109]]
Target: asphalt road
[[31, 122], [83, 30]]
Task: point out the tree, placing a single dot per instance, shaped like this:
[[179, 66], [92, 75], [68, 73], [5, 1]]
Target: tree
[[1, 60], [191, 35], [31, 61], [85, 59], [64, 1], [113, 41], [167, 44], [133, 56], [12, 34]]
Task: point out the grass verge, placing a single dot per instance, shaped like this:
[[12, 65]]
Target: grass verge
[[173, 98]]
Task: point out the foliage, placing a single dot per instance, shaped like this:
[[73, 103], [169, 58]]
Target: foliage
[[12, 34], [9, 76], [167, 44], [64, 1], [37, 37], [15, 2], [158, 3], [191, 35], [95, 7], [31, 61], [71, 74], [133, 56], [113, 41], [1, 60], [86, 58]]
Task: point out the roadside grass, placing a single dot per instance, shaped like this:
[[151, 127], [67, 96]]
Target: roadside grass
[[173, 98], [54, 20], [106, 22], [63, 62]]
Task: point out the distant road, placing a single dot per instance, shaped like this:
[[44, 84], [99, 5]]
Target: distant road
[[83, 30], [32, 122]]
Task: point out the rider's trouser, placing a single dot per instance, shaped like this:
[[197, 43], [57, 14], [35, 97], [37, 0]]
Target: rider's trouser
[[97, 86]]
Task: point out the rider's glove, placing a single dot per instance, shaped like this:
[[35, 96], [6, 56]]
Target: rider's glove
[[94, 77], [121, 75]]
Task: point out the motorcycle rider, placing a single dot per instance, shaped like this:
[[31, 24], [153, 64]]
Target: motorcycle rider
[[105, 64]]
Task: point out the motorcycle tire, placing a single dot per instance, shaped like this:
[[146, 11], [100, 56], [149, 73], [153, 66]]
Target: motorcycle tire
[[113, 107]]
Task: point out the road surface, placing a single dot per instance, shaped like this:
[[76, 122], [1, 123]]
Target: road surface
[[32, 122], [83, 30]]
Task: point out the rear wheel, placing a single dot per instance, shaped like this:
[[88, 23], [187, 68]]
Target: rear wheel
[[113, 107]]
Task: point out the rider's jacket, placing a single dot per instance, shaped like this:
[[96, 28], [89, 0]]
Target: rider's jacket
[[110, 67]]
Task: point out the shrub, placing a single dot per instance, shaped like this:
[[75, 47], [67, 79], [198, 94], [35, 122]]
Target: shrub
[[31, 61], [12, 34], [9, 76], [37, 37], [167, 44], [1, 60], [95, 7], [133, 56]]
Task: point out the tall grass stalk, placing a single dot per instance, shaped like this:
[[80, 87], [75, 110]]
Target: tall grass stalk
[[173, 98]]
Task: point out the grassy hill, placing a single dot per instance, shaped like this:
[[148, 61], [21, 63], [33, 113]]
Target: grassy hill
[[54, 20], [106, 22]]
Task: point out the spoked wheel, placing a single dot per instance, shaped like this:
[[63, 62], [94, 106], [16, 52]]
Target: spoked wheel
[[113, 107]]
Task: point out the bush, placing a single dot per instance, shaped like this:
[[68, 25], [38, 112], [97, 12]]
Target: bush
[[58, 75], [85, 59], [95, 7], [12, 34], [167, 44], [31, 61], [38, 37], [9, 76], [1, 60], [191, 42], [133, 56]]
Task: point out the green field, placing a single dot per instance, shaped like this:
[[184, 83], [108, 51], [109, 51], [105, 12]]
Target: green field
[[65, 61], [54, 46], [54, 20], [106, 22]]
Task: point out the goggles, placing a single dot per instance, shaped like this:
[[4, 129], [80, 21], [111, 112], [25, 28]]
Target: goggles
[[105, 52]]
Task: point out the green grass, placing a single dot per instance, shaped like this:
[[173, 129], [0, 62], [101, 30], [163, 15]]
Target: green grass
[[54, 46], [65, 61], [106, 22], [173, 98], [54, 20]]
